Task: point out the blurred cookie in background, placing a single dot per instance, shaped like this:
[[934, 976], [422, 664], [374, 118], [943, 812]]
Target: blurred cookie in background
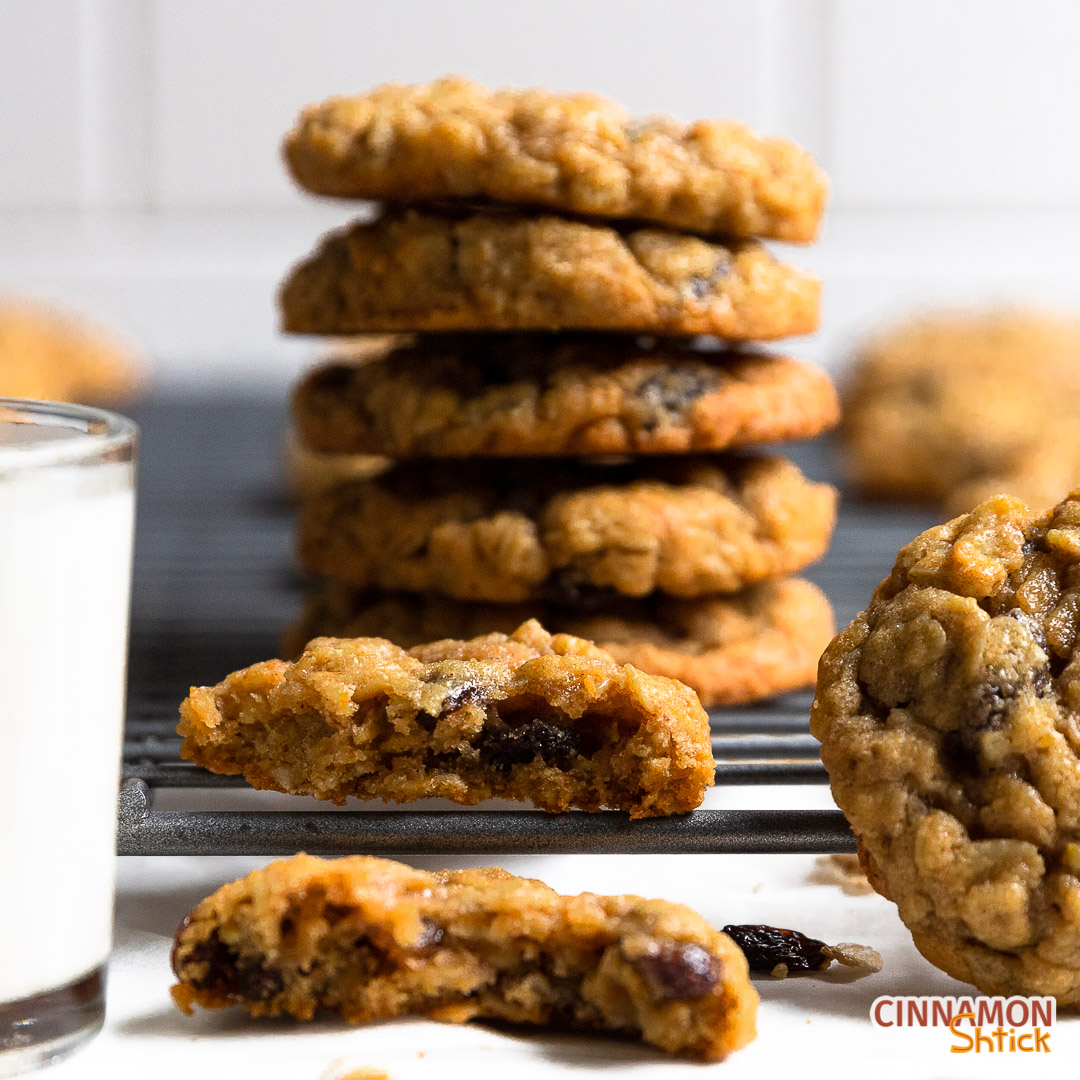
[[56, 353], [953, 406]]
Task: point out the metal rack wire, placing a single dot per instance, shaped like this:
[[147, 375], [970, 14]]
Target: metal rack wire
[[213, 588]]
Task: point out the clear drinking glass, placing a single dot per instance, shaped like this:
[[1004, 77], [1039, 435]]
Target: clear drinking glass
[[67, 507]]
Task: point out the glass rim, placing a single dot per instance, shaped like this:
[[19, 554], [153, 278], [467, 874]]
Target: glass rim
[[95, 432]]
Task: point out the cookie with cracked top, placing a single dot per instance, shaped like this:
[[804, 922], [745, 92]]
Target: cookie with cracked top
[[728, 649], [549, 720], [532, 529], [947, 714], [577, 153], [412, 270], [501, 395], [372, 939]]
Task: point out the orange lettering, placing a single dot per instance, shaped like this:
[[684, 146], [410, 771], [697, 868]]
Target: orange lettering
[[960, 1034]]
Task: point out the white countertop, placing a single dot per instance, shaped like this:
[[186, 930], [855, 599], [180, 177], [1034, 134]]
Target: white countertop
[[807, 1025]]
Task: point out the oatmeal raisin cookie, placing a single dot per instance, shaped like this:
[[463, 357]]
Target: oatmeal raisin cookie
[[550, 720], [514, 530], [373, 939], [411, 270], [947, 714], [729, 649], [580, 153], [500, 395]]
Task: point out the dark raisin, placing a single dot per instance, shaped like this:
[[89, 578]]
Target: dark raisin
[[960, 753], [701, 286], [991, 705], [257, 983], [508, 746], [671, 393], [334, 913], [1041, 681], [567, 587], [1032, 623], [334, 377], [767, 946], [220, 961], [679, 972], [226, 973], [431, 936], [459, 697]]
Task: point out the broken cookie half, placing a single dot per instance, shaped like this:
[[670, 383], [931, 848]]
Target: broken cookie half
[[549, 720], [372, 939]]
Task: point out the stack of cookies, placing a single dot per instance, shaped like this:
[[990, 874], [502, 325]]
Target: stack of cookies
[[569, 403]]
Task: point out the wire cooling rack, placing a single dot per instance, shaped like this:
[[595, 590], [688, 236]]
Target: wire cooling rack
[[214, 584]]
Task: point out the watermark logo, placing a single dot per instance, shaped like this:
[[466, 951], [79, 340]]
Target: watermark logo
[[981, 1025]]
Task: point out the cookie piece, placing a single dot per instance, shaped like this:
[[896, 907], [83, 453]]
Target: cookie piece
[[532, 529], [373, 939], [49, 354], [548, 720], [425, 270], [500, 395], [956, 406], [579, 153], [730, 650], [947, 716]]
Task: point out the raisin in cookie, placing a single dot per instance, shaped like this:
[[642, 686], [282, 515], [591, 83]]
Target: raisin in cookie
[[956, 406], [425, 270], [550, 720], [373, 939], [454, 139], [524, 530], [947, 714], [499, 395], [729, 649]]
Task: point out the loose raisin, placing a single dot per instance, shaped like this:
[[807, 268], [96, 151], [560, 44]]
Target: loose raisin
[[767, 946]]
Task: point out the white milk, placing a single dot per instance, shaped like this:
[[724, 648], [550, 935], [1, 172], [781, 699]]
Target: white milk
[[65, 570]]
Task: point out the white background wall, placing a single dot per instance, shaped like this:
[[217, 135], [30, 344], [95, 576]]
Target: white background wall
[[139, 166]]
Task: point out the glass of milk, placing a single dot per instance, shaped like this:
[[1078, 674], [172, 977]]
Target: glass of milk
[[67, 504]]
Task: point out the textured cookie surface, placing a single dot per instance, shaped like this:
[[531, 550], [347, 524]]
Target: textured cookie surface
[[473, 395], [730, 650], [454, 139], [373, 939], [425, 270], [947, 714], [549, 720], [52, 355], [957, 406], [519, 529]]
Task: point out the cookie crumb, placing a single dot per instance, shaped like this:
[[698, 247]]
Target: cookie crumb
[[780, 971], [843, 871], [851, 955]]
